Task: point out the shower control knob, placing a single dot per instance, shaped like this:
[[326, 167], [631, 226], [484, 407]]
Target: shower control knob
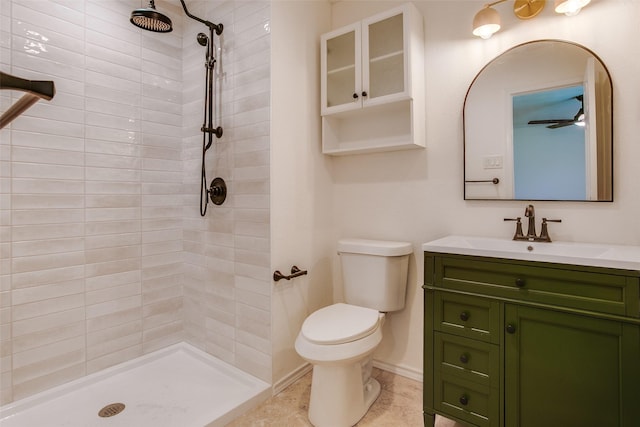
[[218, 191]]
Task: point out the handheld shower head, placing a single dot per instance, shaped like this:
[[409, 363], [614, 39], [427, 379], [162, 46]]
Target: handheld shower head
[[150, 19]]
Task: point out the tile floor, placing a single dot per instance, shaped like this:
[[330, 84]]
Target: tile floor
[[399, 404]]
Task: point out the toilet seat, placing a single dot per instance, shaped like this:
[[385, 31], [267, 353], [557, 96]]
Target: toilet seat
[[340, 323]]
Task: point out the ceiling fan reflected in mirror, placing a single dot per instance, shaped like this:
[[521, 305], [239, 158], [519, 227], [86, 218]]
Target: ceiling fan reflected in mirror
[[577, 120]]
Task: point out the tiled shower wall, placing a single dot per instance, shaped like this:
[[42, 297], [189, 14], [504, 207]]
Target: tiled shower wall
[[227, 279], [104, 256]]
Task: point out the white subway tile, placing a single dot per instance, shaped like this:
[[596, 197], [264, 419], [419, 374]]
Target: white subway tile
[[44, 277], [47, 306], [112, 344], [45, 262], [48, 322], [44, 382], [47, 216], [113, 306], [48, 336], [48, 246]]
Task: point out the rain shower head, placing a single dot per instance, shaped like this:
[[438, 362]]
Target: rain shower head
[[150, 19]]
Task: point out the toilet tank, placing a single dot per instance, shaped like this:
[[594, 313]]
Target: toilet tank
[[374, 273]]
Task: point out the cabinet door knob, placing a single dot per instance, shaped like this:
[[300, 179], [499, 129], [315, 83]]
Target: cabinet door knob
[[511, 329], [355, 96], [464, 358], [520, 282], [464, 400], [364, 93], [464, 316]]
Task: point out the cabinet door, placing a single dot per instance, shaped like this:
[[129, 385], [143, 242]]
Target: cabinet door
[[384, 49], [569, 370], [341, 65]]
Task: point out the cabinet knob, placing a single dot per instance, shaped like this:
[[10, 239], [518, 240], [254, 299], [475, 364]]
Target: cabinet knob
[[364, 93], [464, 400], [511, 329], [355, 96], [464, 316], [464, 358], [520, 282]]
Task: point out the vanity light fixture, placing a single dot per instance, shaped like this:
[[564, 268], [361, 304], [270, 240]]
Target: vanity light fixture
[[487, 20]]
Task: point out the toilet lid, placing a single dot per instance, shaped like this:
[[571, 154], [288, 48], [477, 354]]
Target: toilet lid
[[340, 323]]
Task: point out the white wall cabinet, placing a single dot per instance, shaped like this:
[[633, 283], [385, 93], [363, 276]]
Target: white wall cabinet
[[372, 84]]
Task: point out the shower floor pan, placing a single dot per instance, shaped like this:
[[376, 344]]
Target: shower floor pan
[[176, 386]]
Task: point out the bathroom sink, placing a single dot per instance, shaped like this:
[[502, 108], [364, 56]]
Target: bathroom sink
[[593, 254]]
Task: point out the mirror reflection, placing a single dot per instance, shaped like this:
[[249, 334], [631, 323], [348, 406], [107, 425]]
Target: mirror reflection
[[538, 126]]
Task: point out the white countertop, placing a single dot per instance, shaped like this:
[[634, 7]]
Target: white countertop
[[590, 254]]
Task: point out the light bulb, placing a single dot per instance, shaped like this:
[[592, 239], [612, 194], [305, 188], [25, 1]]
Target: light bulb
[[486, 23], [570, 7]]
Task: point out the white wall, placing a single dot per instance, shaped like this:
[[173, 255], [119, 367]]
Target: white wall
[[418, 195], [301, 191]]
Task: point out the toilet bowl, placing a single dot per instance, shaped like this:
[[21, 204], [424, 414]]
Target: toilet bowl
[[339, 340]]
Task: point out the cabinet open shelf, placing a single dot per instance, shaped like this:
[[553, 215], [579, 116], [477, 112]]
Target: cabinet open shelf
[[379, 128]]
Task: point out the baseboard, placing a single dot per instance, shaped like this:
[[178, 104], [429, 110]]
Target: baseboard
[[291, 378], [302, 370], [404, 371]]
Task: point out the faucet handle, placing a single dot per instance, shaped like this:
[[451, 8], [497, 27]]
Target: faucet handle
[[519, 235], [544, 233]]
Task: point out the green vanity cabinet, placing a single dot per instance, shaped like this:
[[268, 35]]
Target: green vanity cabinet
[[516, 343]]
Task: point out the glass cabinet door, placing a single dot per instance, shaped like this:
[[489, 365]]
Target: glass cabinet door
[[383, 50], [342, 70]]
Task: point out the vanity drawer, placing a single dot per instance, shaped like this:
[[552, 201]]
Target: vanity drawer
[[594, 289], [467, 316], [466, 400], [468, 359]]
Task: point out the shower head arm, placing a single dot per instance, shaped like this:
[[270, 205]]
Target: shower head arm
[[213, 27]]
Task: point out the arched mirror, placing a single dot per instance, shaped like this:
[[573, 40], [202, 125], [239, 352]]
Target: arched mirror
[[538, 125]]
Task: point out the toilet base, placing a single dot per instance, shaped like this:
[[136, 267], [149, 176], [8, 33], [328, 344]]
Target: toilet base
[[342, 394]]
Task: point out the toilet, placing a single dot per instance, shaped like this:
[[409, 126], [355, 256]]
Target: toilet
[[339, 340]]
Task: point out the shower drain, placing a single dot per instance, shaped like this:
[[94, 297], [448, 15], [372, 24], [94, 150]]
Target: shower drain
[[111, 409]]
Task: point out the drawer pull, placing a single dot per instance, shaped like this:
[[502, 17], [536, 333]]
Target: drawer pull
[[511, 329], [464, 400], [520, 283], [464, 358], [464, 316]]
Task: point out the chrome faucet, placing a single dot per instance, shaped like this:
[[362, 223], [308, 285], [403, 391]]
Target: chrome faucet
[[529, 212]]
